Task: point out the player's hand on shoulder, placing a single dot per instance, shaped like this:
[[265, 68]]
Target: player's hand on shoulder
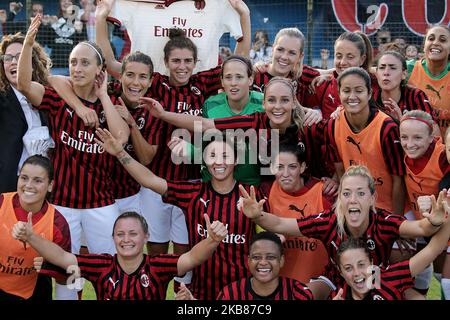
[[153, 106]]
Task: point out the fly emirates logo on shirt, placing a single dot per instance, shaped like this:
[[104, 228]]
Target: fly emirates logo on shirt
[[230, 238], [181, 23], [84, 142]]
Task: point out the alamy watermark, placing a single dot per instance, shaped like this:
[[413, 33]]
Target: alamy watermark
[[252, 146]]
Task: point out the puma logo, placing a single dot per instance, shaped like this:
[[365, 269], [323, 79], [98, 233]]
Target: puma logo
[[414, 180], [302, 211], [331, 98], [113, 283], [352, 141], [259, 89], [166, 85], [438, 92], [205, 202], [70, 112]]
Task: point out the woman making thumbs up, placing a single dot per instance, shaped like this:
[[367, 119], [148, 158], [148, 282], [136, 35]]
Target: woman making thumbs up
[[130, 274], [18, 279], [218, 198]]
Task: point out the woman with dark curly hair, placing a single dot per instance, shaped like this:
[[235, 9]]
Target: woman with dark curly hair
[[17, 116]]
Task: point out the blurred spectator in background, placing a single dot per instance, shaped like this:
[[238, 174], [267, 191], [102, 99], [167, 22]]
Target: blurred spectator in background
[[87, 15], [2, 20], [11, 26], [383, 37], [66, 32], [411, 52], [324, 56], [391, 46], [261, 50], [224, 53], [401, 43]]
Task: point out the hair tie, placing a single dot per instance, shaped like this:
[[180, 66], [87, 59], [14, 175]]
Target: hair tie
[[418, 119]]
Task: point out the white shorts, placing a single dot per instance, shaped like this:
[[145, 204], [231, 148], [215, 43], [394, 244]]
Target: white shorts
[[166, 222], [131, 203], [96, 224]]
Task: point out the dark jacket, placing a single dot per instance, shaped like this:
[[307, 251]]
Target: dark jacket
[[13, 126]]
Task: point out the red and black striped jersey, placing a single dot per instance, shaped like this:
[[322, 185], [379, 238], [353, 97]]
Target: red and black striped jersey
[[393, 282], [82, 167], [389, 138], [187, 99], [308, 75], [326, 97], [228, 263], [410, 99], [382, 232], [124, 184], [312, 137], [110, 282], [288, 289], [262, 78]]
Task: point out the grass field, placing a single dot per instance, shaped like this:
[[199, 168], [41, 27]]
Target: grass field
[[88, 292], [434, 293]]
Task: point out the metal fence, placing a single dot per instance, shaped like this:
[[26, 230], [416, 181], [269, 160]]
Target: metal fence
[[318, 20]]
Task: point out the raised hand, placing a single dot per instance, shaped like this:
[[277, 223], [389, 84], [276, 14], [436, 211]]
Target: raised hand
[[339, 295], [107, 141], [153, 106], [248, 204], [179, 147], [33, 30], [216, 230], [424, 204], [124, 113], [261, 67], [22, 231], [240, 7], [103, 8], [184, 293], [37, 263], [439, 208]]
